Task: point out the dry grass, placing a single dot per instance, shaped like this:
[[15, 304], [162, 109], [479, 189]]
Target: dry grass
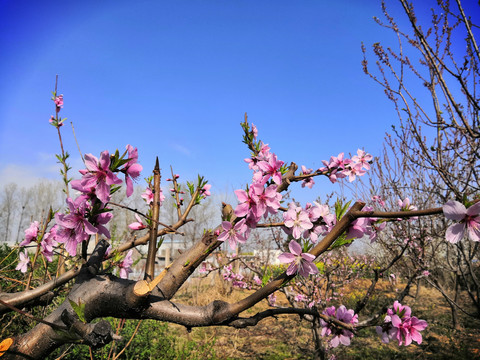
[[288, 337]]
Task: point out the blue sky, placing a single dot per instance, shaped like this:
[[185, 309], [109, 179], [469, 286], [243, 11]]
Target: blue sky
[[174, 79]]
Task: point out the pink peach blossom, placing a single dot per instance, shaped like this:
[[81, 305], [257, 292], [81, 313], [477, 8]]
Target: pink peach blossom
[[99, 176], [234, 234], [301, 263], [30, 233], [24, 261], [138, 225], [469, 221], [132, 168]]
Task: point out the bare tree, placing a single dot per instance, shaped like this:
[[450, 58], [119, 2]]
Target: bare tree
[[8, 212], [433, 154]]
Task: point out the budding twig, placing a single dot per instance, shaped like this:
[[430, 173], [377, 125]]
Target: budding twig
[[152, 245]]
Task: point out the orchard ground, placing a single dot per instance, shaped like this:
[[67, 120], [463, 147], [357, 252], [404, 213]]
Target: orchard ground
[[287, 337]]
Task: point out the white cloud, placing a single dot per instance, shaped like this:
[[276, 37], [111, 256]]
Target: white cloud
[[181, 148], [23, 176], [45, 167]]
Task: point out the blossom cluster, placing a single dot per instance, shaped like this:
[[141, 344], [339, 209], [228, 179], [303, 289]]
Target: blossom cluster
[[55, 120], [339, 335], [340, 167], [88, 214], [237, 279], [260, 199], [45, 241], [399, 325], [314, 220]]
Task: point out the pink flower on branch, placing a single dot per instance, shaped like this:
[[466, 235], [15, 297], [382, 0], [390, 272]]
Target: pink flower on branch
[[246, 202], [338, 167], [234, 234], [125, 265], [74, 227], [340, 335], [315, 211], [400, 325], [301, 263], [334, 168], [205, 190], [354, 170], [338, 162], [48, 242], [100, 220], [138, 225], [58, 102], [24, 261], [264, 153], [363, 159], [271, 168], [99, 176], [469, 221], [308, 182], [57, 123], [364, 226], [405, 205], [254, 131], [297, 220], [148, 195], [267, 200], [30, 233], [132, 169]]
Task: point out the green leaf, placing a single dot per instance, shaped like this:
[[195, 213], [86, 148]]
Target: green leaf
[[114, 189], [79, 309], [340, 209], [341, 241], [159, 242], [191, 188], [266, 277], [284, 169]]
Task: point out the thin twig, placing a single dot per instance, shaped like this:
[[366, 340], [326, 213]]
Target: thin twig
[[146, 217], [13, 308], [129, 341], [76, 141]]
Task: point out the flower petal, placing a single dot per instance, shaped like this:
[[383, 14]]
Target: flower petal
[[474, 209], [455, 233], [454, 210], [286, 258], [295, 247]]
